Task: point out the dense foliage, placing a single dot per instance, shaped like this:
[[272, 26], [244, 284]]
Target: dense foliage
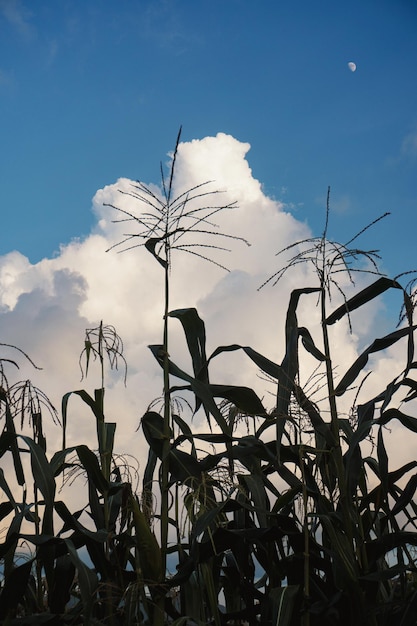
[[297, 520]]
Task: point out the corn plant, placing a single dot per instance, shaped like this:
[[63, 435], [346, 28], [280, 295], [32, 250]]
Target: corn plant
[[166, 223], [283, 523], [43, 569], [297, 518]]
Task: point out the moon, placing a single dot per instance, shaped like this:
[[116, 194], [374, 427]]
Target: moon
[[352, 66]]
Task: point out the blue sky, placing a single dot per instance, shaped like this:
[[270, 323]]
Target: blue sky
[[92, 91]]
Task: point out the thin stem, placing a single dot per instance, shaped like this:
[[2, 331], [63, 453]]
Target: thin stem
[[167, 430], [159, 616], [306, 613]]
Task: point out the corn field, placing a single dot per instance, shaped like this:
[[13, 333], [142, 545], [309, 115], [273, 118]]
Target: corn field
[[298, 521]]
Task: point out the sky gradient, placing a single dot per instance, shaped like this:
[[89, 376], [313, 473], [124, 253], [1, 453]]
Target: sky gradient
[[90, 92]]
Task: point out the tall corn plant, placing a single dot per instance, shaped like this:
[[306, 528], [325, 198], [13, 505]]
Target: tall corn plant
[[37, 571], [168, 223], [52, 572], [298, 536]]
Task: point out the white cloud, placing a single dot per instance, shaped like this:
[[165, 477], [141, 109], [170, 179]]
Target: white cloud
[[409, 145], [45, 307], [18, 16]]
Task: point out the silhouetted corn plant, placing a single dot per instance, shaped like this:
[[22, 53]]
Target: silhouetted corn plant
[[301, 520], [167, 223], [298, 537]]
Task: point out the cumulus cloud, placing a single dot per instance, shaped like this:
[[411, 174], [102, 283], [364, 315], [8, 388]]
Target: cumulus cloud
[[45, 307]]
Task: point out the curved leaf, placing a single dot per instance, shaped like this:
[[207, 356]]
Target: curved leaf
[[309, 345], [406, 420], [366, 295], [71, 521], [244, 398], [195, 334], [406, 496], [153, 429], [151, 244], [378, 345], [199, 388]]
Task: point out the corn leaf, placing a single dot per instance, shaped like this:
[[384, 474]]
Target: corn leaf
[[378, 345], [87, 581], [366, 295]]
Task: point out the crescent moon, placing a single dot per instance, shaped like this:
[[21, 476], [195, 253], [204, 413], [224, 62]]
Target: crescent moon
[[352, 66]]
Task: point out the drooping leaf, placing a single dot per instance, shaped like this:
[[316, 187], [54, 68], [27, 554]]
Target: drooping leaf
[[184, 467], [266, 365], [91, 465], [8, 547], [95, 404], [5, 487], [8, 438], [201, 390], [406, 420], [382, 461], [382, 545], [151, 244], [244, 398], [186, 433], [378, 345], [318, 423], [258, 495], [406, 496], [72, 522], [153, 429], [309, 345], [195, 334], [366, 295]]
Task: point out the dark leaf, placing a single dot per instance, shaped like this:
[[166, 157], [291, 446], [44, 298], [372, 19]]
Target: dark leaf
[[14, 588], [91, 465], [72, 522], [87, 581], [44, 481], [5, 509], [151, 244], [406, 420], [378, 345], [195, 334], [406, 496], [200, 389], [309, 345], [283, 600], [380, 546], [366, 295], [244, 398], [153, 429], [59, 594], [148, 549]]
